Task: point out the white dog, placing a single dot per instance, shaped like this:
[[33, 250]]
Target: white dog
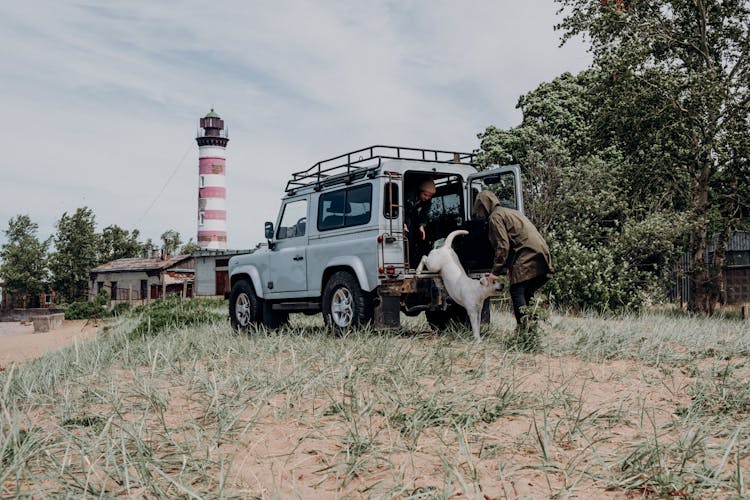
[[467, 292]]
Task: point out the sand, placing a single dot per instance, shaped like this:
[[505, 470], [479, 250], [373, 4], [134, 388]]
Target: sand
[[19, 343]]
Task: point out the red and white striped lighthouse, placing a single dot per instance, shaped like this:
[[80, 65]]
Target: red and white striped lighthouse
[[212, 186]]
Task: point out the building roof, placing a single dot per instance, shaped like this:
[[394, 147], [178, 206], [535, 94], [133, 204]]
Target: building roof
[[212, 114], [140, 264], [205, 252], [738, 242]]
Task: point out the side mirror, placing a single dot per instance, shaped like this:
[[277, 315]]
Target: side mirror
[[269, 230]]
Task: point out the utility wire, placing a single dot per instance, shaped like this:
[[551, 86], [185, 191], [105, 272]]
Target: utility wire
[[171, 176]]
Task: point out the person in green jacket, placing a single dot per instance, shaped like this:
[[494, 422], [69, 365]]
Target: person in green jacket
[[519, 249]]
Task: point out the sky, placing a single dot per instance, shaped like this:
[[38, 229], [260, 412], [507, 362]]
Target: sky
[[102, 99]]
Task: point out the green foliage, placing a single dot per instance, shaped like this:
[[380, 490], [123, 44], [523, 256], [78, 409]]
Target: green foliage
[[592, 276], [673, 95], [75, 254], [609, 247], [172, 312], [23, 260], [98, 308], [120, 308], [528, 335], [189, 247], [623, 162], [117, 243], [171, 240]]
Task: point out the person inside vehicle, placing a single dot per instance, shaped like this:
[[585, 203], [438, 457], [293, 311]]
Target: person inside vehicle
[[415, 220], [519, 249]]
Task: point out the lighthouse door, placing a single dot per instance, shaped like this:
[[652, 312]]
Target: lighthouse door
[[288, 265]]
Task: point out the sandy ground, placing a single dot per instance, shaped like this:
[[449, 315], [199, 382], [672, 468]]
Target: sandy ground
[[18, 342]]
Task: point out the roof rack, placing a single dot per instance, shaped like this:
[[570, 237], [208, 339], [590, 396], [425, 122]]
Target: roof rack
[[356, 164]]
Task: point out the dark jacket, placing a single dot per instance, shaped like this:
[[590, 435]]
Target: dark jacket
[[517, 243], [416, 215]]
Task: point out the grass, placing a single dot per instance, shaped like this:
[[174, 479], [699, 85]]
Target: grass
[[648, 405]]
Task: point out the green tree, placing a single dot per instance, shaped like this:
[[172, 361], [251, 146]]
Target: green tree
[[118, 243], [171, 241], [149, 247], [676, 99], [553, 134], [576, 193], [189, 247], [75, 254], [23, 266]]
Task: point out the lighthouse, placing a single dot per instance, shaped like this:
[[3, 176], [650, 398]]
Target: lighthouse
[[212, 187]]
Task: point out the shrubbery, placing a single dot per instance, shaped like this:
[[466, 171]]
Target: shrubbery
[[88, 310], [154, 317], [120, 308], [614, 269], [173, 312], [592, 277]]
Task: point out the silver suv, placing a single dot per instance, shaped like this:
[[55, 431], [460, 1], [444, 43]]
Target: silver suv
[[339, 245]]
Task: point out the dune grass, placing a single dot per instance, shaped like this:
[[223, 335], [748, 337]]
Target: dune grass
[[651, 405]]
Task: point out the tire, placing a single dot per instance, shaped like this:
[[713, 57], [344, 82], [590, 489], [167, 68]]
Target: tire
[[345, 304], [274, 319], [245, 308], [438, 320], [485, 317]]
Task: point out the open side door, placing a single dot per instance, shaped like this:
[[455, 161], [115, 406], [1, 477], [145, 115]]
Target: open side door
[[504, 181]]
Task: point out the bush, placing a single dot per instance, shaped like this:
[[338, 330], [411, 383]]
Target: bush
[[120, 308], [593, 277], [173, 312], [89, 310]]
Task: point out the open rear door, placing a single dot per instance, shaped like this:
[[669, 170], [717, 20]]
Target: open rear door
[[474, 251], [504, 181]]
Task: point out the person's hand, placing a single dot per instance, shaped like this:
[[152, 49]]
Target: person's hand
[[491, 277], [421, 231], [406, 229]]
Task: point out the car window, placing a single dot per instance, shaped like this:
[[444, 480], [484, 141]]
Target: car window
[[390, 200], [345, 207], [503, 185], [448, 200], [293, 220]]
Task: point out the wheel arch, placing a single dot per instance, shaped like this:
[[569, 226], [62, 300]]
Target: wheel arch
[[352, 265], [251, 275]]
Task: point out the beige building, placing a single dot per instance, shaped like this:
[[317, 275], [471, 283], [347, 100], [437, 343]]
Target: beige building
[[138, 280]]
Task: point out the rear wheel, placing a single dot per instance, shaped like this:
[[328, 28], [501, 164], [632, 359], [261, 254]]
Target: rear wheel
[[438, 320], [345, 304], [244, 306]]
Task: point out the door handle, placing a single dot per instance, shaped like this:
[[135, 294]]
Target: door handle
[[298, 257]]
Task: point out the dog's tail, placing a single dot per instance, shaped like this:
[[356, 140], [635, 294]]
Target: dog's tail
[[457, 232]]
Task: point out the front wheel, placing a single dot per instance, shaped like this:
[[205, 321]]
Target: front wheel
[[244, 306], [345, 304]]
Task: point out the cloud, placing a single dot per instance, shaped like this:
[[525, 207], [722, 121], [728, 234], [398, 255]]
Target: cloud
[[104, 97]]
